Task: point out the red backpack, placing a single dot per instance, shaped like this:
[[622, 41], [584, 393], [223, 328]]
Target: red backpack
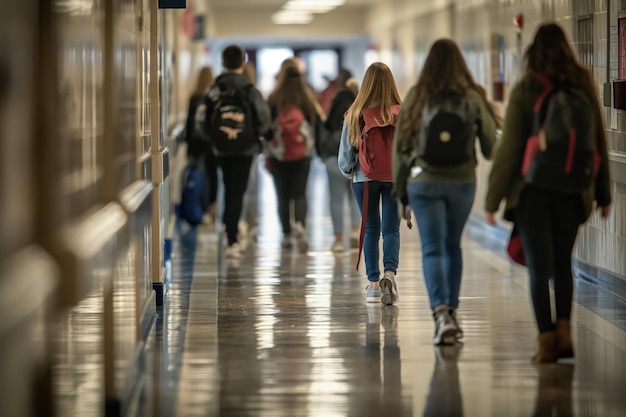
[[294, 138], [376, 144], [375, 149]]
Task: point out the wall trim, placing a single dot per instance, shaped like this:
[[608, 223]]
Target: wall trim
[[605, 279]]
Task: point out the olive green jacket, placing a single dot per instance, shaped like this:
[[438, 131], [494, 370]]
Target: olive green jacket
[[506, 181], [404, 155]]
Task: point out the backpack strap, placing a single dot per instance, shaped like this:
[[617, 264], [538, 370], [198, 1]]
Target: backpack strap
[[363, 221], [539, 107], [362, 125]]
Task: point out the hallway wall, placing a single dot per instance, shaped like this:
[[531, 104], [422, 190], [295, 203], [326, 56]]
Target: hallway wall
[[404, 30]]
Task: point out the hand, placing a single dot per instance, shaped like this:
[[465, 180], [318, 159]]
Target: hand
[[604, 211], [490, 218], [406, 215]]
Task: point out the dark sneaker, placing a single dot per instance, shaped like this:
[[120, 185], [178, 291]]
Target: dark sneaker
[[389, 290], [445, 329]]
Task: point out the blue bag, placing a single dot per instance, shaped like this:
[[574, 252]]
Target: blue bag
[[194, 199]]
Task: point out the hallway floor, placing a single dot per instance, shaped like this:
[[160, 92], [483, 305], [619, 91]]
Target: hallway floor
[[278, 333]]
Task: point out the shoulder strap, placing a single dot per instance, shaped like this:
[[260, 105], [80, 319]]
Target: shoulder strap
[[363, 222], [539, 108]]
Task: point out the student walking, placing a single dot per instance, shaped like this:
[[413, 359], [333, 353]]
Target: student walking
[[368, 130], [340, 189], [198, 145], [546, 199], [291, 146], [434, 170], [236, 117], [249, 214]]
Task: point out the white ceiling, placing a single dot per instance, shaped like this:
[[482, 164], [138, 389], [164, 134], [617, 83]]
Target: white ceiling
[[271, 4], [253, 19]]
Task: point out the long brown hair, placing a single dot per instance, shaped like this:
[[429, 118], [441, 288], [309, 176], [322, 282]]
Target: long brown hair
[[444, 70], [287, 63], [378, 89], [292, 91], [204, 81], [550, 54]]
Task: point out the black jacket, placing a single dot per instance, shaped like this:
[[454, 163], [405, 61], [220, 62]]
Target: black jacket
[[260, 110], [328, 141], [338, 107], [197, 141]]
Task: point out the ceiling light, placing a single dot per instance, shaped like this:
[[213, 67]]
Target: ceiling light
[[308, 8], [333, 3], [313, 6], [292, 17]]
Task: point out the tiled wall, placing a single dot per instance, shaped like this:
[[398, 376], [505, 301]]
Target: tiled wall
[[601, 243]]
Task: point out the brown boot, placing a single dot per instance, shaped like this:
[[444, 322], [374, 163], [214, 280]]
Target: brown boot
[[564, 346], [547, 348], [213, 212]]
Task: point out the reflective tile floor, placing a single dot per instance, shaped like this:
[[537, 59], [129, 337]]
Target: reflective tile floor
[[278, 333]]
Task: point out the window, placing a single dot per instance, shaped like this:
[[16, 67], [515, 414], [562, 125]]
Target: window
[[584, 41], [622, 48], [268, 65]]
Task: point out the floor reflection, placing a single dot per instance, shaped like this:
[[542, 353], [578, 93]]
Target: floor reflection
[[444, 397], [296, 338], [554, 390], [382, 393]]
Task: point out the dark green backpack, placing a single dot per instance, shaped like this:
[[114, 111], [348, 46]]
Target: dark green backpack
[[561, 152]]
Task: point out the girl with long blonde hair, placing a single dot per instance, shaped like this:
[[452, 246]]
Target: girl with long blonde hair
[[377, 102]]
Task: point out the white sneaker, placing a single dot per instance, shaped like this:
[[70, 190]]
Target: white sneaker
[[445, 330], [252, 233], [373, 294], [233, 251], [389, 290], [337, 246], [243, 228], [354, 239], [300, 234]]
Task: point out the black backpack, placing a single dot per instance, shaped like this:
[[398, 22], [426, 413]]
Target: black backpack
[[561, 152], [448, 130], [329, 143], [232, 127]]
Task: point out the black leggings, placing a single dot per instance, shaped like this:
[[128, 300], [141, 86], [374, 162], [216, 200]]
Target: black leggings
[[548, 223], [290, 179]]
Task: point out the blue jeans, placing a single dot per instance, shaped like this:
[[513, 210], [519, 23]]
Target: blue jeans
[[339, 190], [441, 210], [389, 226]]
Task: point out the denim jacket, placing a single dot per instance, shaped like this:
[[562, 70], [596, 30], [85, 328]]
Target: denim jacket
[[348, 158]]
